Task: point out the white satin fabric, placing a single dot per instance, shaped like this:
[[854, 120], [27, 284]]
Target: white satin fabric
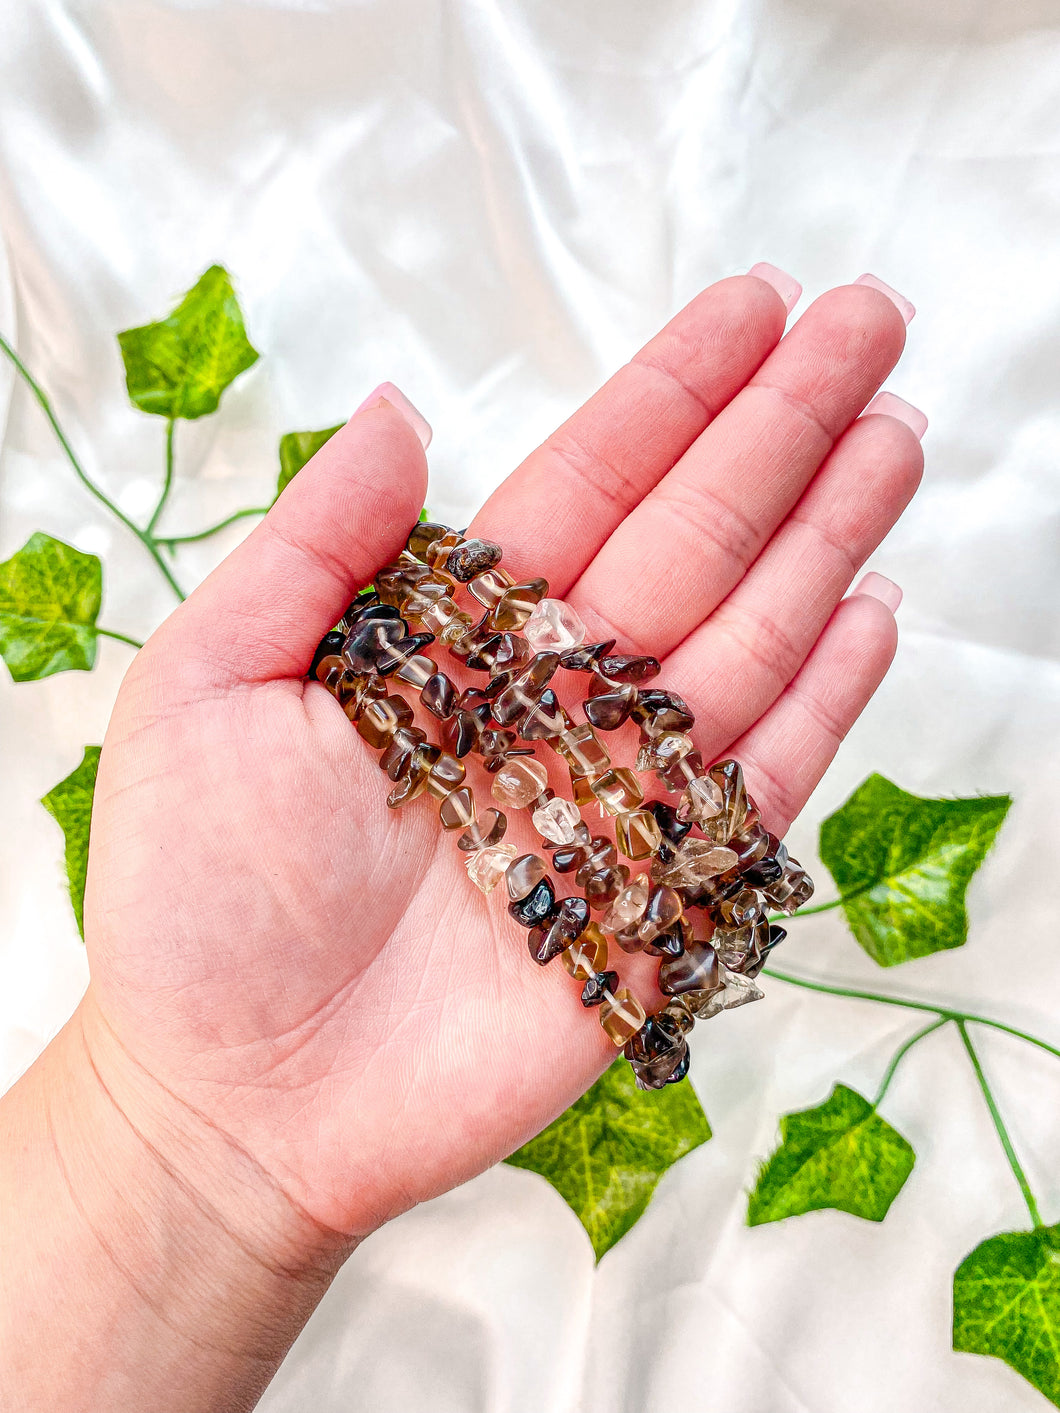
[[492, 203]]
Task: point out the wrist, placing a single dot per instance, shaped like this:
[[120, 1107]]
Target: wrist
[[186, 1273]]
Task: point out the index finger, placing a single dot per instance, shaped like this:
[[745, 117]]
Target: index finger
[[556, 510]]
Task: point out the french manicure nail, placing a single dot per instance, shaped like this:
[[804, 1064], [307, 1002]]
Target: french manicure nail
[[876, 586], [389, 392], [903, 305], [895, 406], [787, 286]]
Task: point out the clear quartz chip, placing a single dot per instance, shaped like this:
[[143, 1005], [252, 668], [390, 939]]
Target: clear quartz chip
[[557, 820], [486, 867], [554, 627]]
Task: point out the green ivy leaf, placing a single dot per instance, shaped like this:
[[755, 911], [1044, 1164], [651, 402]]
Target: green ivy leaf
[[1006, 1303], [606, 1153], [180, 366], [903, 864], [49, 600], [840, 1154], [70, 804], [296, 448]]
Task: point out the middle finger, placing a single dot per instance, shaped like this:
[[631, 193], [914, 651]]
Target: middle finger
[[681, 550]]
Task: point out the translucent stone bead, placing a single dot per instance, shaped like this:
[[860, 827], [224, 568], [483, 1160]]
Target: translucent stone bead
[[693, 863], [638, 834], [662, 910], [621, 1016], [438, 695], [488, 829], [556, 820], [440, 614], [486, 867], [458, 626], [743, 907], [457, 810], [628, 906], [743, 945], [587, 955], [412, 783], [664, 751], [583, 750], [438, 551], [696, 969], [330, 645], [597, 988], [546, 720], [564, 925], [526, 689], [601, 853], [396, 654], [354, 692], [582, 789], [568, 857], [585, 659], [461, 733], [399, 749], [519, 782], [417, 671], [604, 886], [618, 790], [554, 627], [701, 802], [365, 641], [524, 874], [658, 711], [471, 558], [490, 586], [381, 718], [512, 652], [739, 990], [426, 592], [445, 775], [516, 604], [423, 536], [678, 1012], [538, 904], [682, 772], [608, 707], [623, 667]]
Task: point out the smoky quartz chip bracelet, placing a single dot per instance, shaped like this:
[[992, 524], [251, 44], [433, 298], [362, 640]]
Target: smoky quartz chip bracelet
[[687, 879]]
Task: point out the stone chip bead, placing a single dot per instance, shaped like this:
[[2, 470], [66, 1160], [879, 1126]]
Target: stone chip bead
[[624, 667], [608, 707], [381, 718], [552, 937], [621, 1016], [516, 604], [553, 627], [598, 987], [628, 906], [519, 783], [583, 751], [662, 910], [395, 758], [489, 828], [587, 955], [471, 558], [536, 906], [657, 711], [446, 774], [585, 659], [457, 810], [556, 820], [638, 834], [486, 867], [696, 969], [330, 645], [523, 875], [423, 536], [618, 790], [438, 695]]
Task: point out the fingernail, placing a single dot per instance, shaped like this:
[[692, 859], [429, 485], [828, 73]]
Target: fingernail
[[903, 305], [389, 392], [895, 406], [787, 286], [875, 586]]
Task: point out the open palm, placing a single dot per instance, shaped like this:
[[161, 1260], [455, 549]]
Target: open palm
[[313, 974]]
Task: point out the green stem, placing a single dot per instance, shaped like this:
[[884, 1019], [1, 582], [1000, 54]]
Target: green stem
[[1002, 1131], [945, 1012], [119, 637], [808, 912], [171, 540], [42, 398], [171, 423], [900, 1054]]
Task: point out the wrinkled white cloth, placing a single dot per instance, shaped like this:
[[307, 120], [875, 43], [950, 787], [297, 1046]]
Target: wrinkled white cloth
[[492, 203]]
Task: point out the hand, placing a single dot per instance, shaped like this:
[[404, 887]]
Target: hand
[[278, 958]]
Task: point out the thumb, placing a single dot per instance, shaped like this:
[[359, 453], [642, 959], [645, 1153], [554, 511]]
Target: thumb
[[264, 609]]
